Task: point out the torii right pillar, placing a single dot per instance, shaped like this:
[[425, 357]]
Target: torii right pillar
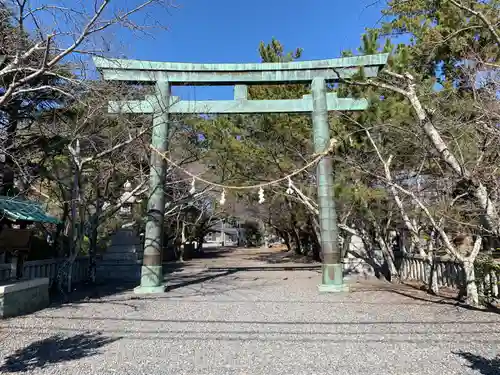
[[332, 278]]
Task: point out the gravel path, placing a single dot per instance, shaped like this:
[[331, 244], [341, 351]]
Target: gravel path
[[253, 321]]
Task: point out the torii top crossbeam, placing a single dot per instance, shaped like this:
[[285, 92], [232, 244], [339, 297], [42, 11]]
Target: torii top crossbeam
[[238, 75], [232, 74]]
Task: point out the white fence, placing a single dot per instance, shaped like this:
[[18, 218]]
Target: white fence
[[46, 268], [451, 274]]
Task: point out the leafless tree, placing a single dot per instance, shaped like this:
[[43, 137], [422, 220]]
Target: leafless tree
[[51, 43]]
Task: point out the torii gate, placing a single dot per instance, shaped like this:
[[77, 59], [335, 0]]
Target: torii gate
[[164, 75]]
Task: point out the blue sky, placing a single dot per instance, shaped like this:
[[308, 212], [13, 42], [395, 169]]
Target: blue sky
[[230, 31], [223, 31]]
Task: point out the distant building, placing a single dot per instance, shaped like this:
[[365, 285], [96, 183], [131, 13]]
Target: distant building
[[223, 234]]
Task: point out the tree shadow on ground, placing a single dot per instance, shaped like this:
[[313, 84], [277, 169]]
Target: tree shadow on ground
[[212, 273], [187, 280], [208, 253], [228, 276], [175, 279], [53, 350], [420, 294], [280, 257], [178, 281], [97, 293], [484, 365], [306, 267], [86, 292]]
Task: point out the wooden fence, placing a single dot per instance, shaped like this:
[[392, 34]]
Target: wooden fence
[[46, 268], [450, 273]]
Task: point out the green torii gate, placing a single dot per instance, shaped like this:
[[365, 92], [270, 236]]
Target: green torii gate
[[164, 74]]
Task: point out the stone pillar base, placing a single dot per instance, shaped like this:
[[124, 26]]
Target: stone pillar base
[[323, 288], [149, 289], [151, 280], [332, 279]]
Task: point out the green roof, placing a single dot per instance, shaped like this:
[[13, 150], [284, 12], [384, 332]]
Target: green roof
[[24, 210]]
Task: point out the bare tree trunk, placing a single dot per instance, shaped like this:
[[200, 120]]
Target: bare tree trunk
[[297, 242], [177, 242], [388, 257], [433, 282], [59, 245], [369, 254], [433, 279], [199, 244], [77, 214], [472, 297], [286, 238], [93, 238], [6, 162], [183, 232]]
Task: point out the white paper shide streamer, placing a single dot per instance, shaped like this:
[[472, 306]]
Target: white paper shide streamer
[[261, 196], [223, 197], [289, 191], [193, 188]]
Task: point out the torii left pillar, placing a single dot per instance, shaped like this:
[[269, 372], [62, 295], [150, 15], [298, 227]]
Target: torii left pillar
[[151, 272]]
